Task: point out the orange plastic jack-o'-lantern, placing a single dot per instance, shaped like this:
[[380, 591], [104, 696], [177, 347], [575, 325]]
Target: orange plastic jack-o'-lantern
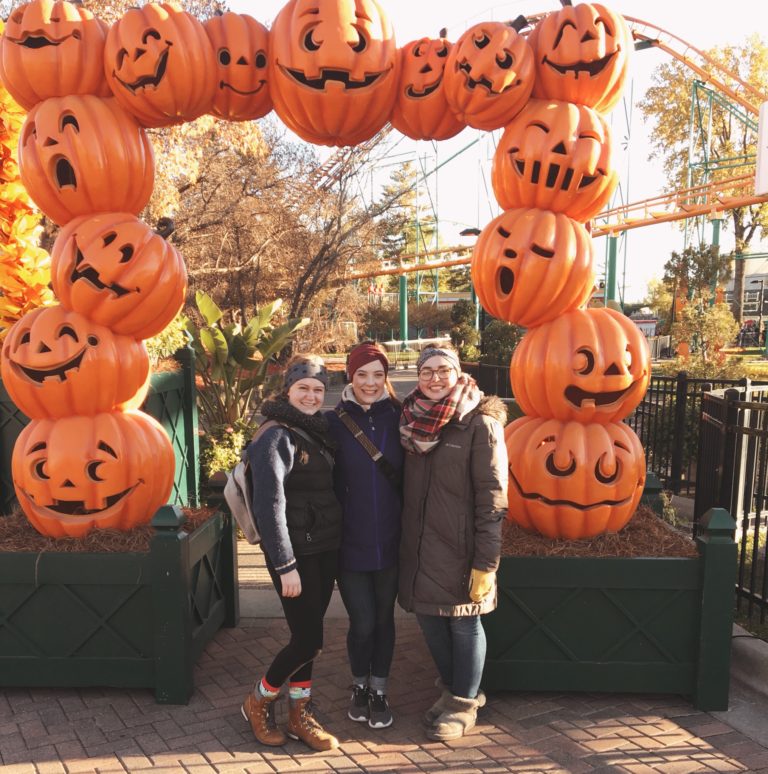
[[529, 266], [160, 64], [241, 45], [333, 69], [51, 48], [56, 363], [555, 156], [489, 75], [582, 53], [115, 270], [588, 365], [83, 154], [421, 111], [75, 474], [570, 481]]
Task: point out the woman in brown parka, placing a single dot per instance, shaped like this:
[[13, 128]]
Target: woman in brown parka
[[455, 498]]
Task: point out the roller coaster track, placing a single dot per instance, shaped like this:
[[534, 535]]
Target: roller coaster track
[[708, 199]]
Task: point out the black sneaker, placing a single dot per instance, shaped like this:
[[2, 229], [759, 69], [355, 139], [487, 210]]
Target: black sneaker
[[358, 704], [380, 715]]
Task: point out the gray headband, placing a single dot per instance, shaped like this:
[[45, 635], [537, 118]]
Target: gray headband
[[429, 352], [309, 370]]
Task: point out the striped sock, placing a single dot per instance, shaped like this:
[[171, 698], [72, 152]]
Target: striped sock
[[302, 690], [265, 690]]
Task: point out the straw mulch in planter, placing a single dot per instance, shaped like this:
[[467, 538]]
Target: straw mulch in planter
[[17, 534], [645, 535]]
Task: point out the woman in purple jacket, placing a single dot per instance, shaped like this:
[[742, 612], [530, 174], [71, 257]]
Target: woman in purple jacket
[[369, 492]]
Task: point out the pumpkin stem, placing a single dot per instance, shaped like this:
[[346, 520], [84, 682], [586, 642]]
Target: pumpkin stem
[[165, 227], [443, 32], [518, 24], [566, 3]]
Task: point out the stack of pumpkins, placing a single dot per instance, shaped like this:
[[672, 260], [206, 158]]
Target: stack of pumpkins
[[575, 470], [89, 458]]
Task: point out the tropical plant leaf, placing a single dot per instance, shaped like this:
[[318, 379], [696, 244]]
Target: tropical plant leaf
[[215, 344], [207, 308]]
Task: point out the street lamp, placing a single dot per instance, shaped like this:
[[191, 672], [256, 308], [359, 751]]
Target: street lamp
[[760, 342]]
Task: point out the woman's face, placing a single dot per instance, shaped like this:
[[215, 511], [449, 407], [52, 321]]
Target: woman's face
[[437, 377], [307, 395], [368, 383]]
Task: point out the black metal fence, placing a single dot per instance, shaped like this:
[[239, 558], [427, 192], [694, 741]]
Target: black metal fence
[[733, 474]]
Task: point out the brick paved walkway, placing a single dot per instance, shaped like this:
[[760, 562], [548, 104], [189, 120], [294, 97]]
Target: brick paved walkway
[[121, 730]]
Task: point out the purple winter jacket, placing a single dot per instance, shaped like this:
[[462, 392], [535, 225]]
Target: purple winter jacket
[[371, 505]]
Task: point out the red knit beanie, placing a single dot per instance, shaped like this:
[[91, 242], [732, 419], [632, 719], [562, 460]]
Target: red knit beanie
[[363, 354]]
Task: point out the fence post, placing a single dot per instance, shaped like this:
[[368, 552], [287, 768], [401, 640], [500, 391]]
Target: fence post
[[678, 442], [717, 550], [725, 494]]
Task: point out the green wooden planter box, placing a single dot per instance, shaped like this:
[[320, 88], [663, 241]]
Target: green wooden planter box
[[171, 401], [123, 620], [646, 625]]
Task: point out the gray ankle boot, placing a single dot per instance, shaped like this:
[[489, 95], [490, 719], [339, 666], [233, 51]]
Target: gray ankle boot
[[432, 714], [457, 718]]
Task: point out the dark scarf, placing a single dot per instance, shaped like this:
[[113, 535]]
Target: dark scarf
[[281, 411]]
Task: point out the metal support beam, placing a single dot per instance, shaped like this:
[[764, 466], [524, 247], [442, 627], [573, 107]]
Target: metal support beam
[[403, 309], [610, 272]]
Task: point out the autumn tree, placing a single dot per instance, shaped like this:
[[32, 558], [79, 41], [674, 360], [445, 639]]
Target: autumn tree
[[709, 327], [731, 139], [659, 300]]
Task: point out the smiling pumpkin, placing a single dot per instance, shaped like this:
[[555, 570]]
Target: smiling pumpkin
[[78, 473]]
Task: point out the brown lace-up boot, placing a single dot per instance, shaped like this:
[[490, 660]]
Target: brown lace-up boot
[[303, 725], [259, 711]]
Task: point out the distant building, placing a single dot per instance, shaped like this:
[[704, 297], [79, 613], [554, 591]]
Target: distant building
[[645, 321]]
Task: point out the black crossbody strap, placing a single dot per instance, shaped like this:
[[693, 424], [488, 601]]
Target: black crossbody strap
[[375, 454]]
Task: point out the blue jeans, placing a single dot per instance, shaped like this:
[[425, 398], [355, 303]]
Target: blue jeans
[[457, 645], [370, 601]]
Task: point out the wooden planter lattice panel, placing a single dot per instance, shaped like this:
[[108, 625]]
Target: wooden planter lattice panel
[[119, 619], [12, 422]]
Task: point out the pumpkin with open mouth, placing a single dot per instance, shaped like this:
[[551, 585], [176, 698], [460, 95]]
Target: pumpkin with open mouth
[[489, 75], [333, 69], [160, 64], [51, 48], [588, 365], [421, 110], [556, 156], [83, 154], [241, 45], [56, 363], [116, 271], [75, 474], [529, 266], [582, 55], [569, 480]]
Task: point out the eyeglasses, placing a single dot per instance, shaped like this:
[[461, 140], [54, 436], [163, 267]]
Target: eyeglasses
[[428, 374]]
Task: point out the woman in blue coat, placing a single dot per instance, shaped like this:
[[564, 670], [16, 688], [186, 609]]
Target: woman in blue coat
[[369, 492]]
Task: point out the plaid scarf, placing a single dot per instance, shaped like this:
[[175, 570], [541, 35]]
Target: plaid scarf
[[423, 419]]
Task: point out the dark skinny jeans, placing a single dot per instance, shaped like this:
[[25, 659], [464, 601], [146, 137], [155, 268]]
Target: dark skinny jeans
[[304, 615], [370, 601]]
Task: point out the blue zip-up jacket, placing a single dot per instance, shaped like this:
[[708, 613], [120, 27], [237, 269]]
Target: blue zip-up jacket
[[371, 506]]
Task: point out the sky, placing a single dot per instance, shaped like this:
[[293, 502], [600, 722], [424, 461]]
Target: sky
[[460, 191]]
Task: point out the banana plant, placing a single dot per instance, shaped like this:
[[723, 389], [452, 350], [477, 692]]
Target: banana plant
[[233, 359]]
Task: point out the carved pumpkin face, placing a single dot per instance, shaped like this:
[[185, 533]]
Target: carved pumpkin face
[[556, 156], [333, 69], [588, 365], [115, 270], [569, 480], [160, 64], [75, 474], [489, 75], [241, 45], [530, 266], [582, 55], [56, 363], [51, 49], [421, 110], [82, 154]]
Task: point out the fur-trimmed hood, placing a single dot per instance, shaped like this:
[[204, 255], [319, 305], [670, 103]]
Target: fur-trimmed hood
[[493, 406]]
